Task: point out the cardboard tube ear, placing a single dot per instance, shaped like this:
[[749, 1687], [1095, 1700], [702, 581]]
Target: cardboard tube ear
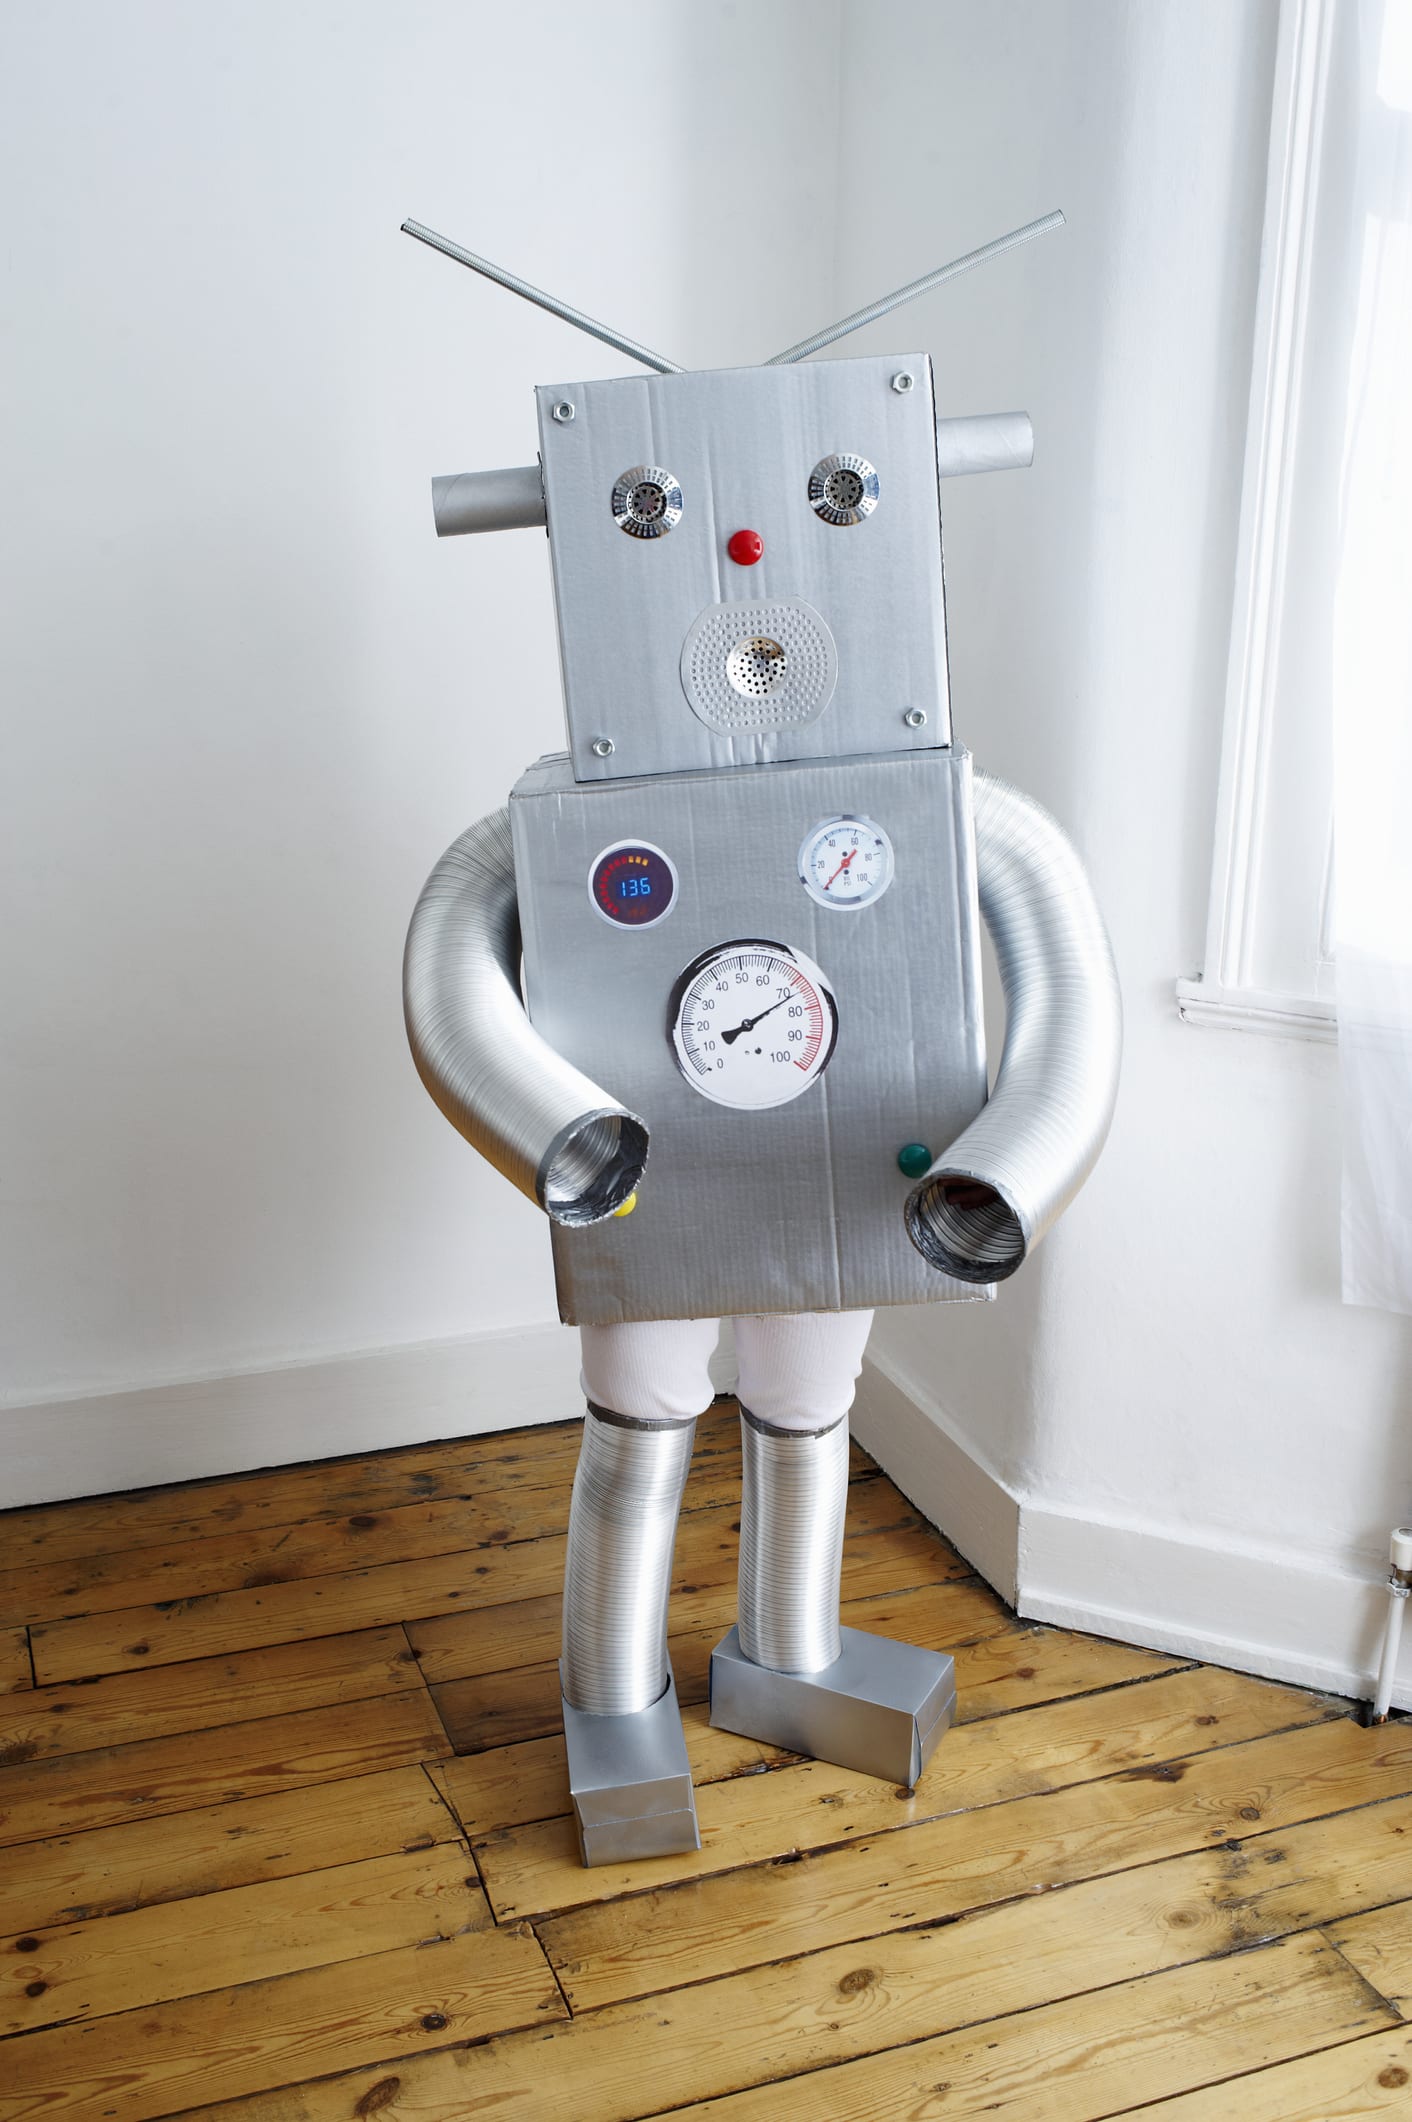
[[555, 1135], [488, 501], [984, 442], [990, 1198]]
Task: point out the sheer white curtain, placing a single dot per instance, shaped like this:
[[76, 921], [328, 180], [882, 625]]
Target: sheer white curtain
[[1372, 667]]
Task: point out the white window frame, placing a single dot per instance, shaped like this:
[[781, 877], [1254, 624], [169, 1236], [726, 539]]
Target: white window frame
[[1230, 994]]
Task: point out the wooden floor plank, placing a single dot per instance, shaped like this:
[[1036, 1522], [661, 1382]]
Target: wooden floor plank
[[167, 2059], [1380, 1945], [210, 1626], [72, 1792], [807, 2014], [274, 1496], [319, 1547], [531, 1782], [119, 1708], [1011, 1671], [287, 1613], [533, 1869], [16, 1673], [106, 1870], [609, 1952], [1359, 2080], [1080, 2059], [176, 1949]]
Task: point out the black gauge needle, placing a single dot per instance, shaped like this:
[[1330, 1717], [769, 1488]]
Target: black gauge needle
[[729, 1038]]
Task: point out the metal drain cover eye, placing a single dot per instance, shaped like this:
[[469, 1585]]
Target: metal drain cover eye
[[756, 667], [646, 501], [843, 488]]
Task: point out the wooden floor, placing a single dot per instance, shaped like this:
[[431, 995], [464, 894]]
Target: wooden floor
[[283, 1815]]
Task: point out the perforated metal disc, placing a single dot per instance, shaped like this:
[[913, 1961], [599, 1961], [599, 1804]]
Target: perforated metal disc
[[759, 666], [647, 501], [843, 488]]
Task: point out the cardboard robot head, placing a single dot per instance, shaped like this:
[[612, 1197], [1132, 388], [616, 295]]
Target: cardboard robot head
[[826, 637], [747, 562]]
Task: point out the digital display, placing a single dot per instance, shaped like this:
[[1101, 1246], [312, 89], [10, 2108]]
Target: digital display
[[632, 884]]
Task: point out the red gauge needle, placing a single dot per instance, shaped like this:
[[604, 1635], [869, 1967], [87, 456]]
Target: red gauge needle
[[842, 865]]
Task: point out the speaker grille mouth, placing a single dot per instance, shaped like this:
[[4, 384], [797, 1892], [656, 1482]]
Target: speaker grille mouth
[[756, 667], [759, 666]]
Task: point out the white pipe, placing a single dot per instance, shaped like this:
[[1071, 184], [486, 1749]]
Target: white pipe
[[1399, 1586]]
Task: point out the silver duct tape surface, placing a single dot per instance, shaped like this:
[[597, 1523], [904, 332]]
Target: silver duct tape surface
[[630, 1782], [793, 1501], [1047, 1120], [553, 1133], [741, 445], [800, 1207], [881, 1707], [618, 1572]]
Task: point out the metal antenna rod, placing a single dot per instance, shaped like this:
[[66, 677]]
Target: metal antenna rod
[[556, 308], [923, 286]]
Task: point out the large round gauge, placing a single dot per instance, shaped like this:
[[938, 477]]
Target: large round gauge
[[753, 1024], [632, 884], [846, 862]]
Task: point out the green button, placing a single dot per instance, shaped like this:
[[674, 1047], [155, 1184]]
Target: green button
[[913, 1159]]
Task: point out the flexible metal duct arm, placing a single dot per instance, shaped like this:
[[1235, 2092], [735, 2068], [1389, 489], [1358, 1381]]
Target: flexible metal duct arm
[[555, 1135], [993, 1194]]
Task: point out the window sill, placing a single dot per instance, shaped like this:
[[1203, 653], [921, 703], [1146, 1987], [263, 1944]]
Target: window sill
[[1250, 1009]]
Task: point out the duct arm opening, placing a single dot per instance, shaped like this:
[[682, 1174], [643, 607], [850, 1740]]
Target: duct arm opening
[[988, 1200], [552, 1132]]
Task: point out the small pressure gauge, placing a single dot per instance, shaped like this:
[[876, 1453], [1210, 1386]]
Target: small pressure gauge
[[846, 862], [753, 1024]]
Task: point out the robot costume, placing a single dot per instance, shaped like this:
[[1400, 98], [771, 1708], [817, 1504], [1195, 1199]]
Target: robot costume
[[747, 901]]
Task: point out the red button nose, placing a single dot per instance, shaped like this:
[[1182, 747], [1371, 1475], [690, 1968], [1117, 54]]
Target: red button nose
[[746, 547]]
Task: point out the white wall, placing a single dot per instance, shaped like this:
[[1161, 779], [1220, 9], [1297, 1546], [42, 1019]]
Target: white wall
[[250, 698], [1190, 1439]]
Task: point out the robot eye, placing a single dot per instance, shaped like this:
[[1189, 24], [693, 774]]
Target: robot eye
[[843, 488], [646, 501]]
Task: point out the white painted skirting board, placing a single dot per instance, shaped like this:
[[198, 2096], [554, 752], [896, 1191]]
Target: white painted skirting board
[[111, 1441], [943, 1476], [1258, 1609]]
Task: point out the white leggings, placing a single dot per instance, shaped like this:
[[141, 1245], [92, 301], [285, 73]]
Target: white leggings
[[797, 1370]]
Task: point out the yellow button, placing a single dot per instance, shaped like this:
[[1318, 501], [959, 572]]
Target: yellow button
[[628, 1206]]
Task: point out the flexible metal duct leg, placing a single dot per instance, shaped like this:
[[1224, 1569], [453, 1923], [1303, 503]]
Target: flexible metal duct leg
[[791, 1543], [622, 1528], [628, 1770], [788, 1673]]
